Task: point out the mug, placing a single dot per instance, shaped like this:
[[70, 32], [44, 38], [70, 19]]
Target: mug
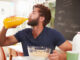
[[72, 55]]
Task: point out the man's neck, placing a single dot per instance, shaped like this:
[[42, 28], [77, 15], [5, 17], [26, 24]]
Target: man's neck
[[37, 30]]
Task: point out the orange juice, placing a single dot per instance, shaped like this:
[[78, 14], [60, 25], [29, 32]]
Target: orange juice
[[13, 21]]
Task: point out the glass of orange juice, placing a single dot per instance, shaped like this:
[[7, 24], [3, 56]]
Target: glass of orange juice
[[13, 21]]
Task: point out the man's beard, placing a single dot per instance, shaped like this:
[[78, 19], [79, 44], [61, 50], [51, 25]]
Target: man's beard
[[33, 22]]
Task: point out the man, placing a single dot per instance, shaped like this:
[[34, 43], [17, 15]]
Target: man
[[39, 35]]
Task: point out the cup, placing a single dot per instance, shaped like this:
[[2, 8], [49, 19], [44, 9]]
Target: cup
[[72, 55]]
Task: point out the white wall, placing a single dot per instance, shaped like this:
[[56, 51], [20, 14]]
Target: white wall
[[6, 10]]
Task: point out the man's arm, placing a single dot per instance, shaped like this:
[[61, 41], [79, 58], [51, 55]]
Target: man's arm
[[66, 46], [5, 41]]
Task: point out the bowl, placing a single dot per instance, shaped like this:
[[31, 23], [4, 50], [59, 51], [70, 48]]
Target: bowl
[[38, 53]]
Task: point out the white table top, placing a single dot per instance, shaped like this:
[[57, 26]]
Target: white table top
[[21, 58], [28, 58]]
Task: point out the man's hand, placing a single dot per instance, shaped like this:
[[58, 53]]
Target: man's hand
[[6, 41], [57, 55], [54, 55]]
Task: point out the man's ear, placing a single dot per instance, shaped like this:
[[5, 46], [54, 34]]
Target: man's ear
[[42, 18]]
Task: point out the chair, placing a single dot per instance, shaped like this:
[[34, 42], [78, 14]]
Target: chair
[[14, 53], [2, 54]]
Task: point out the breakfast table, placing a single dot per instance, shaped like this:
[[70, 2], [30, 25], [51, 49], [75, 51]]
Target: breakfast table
[[27, 58], [21, 58]]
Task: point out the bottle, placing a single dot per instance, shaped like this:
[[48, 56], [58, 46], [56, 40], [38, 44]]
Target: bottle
[[13, 21], [76, 44]]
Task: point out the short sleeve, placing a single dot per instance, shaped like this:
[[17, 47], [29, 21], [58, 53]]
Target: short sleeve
[[59, 38], [19, 36]]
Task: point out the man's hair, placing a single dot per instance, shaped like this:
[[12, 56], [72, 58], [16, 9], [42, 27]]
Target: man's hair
[[45, 12]]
